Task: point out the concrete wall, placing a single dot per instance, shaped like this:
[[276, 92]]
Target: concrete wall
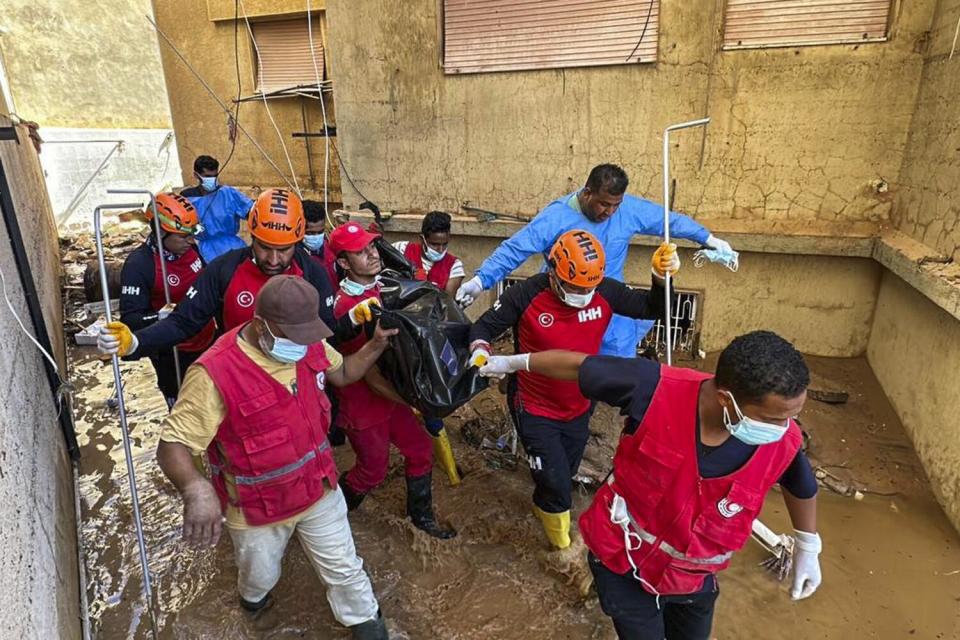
[[204, 34], [914, 350], [38, 565], [797, 134], [928, 203], [73, 63]]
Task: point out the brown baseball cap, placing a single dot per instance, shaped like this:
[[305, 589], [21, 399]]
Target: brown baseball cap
[[293, 305]]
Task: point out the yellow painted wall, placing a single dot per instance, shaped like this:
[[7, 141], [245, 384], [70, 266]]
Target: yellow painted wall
[[797, 134], [928, 203], [72, 63], [201, 125], [914, 350]]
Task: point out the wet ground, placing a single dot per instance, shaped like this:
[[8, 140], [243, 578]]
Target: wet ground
[[891, 560]]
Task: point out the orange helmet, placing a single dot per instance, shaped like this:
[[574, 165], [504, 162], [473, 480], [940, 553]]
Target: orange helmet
[[277, 218], [577, 258], [176, 213]]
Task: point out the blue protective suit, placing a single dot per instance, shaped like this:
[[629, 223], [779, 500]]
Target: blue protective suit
[[635, 215], [220, 212]]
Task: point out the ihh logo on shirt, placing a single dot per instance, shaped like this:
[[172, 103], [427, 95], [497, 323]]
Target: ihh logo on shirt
[[590, 314]]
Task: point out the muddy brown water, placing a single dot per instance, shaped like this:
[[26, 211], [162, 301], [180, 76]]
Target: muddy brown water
[[891, 563]]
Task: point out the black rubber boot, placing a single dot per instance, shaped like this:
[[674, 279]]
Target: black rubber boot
[[256, 608], [420, 508], [352, 497], [375, 629]]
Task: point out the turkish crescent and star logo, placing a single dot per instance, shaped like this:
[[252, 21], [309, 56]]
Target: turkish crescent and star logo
[[173, 279], [545, 320], [245, 299]]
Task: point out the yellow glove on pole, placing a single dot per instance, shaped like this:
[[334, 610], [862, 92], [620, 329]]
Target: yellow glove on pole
[[116, 337], [665, 260], [443, 453]]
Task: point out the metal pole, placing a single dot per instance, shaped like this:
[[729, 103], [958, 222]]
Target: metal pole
[[158, 234], [128, 454], [668, 320]]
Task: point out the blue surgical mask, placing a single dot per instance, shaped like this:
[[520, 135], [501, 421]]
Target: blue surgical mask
[[432, 254], [314, 242], [209, 183], [750, 431], [354, 289], [282, 349]]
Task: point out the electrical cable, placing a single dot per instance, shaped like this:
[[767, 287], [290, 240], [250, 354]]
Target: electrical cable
[[266, 105], [349, 179], [642, 33], [236, 61], [326, 127]]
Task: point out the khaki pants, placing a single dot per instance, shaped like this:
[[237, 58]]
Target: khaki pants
[[324, 534]]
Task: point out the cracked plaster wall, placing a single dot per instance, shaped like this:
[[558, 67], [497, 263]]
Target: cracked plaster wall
[[38, 565], [797, 134], [928, 195]]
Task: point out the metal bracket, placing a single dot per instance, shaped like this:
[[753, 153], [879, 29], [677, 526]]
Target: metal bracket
[[9, 133]]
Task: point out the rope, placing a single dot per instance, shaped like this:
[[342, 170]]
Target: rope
[[326, 128]]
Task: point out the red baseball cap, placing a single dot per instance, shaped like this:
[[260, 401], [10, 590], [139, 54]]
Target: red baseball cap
[[350, 237]]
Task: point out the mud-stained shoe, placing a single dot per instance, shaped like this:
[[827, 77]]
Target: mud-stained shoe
[[571, 565], [555, 525], [420, 508], [375, 629], [352, 498]]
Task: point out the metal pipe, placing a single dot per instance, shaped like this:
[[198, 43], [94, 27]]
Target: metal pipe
[[158, 234], [666, 220], [124, 431], [81, 562]]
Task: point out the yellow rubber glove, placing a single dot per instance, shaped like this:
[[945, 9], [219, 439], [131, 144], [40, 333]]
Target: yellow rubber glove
[[361, 313], [665, 260], [116, 338]]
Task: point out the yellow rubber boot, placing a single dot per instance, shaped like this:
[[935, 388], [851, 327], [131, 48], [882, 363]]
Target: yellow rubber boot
[[443, 454], [556, 526]]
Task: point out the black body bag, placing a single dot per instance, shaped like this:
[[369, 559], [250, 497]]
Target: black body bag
[[427, 362]]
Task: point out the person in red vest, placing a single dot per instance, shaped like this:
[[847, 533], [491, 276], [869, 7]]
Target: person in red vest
[[696, 458], [568, 307], [142, 297], [228, 286], [314, 241], [370, 411], [255, 403], [430, 255]]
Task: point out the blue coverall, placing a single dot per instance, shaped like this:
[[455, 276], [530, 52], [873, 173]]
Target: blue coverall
[[635, 215], [220, 212]]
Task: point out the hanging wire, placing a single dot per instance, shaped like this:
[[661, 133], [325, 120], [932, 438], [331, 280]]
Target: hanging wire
[[213, 95], [326, 127], [234, 120], [266, 104], [642, 33]]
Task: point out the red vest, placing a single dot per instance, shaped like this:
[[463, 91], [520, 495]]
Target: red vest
[[439, 273], [682, 527], [272, 442], [181, 274], [328, 261], [547, 323], [243, 289], [360, 406]]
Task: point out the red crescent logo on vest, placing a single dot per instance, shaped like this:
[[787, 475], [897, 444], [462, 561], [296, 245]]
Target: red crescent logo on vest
[[728, 509], [245, 299], [173, 279], [546, 320]]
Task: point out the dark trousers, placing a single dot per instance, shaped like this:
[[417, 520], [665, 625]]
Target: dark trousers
[[637, 616], [554, 451], [163, 364]]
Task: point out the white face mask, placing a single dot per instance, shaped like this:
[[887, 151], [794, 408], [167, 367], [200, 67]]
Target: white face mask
[[750, 431], [575, 300], [352, 288]]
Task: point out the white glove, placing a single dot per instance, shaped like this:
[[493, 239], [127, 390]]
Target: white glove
[[806, 565], [719, 245], [719, 252], [499, 366], [479, 353], [469, 291], [165, 311], [116, 338]]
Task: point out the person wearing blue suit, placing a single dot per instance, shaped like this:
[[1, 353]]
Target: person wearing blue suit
[[603, 208], [219, 208]]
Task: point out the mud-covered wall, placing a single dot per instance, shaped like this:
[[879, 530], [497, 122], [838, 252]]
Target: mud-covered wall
[[204, 34], [927, 200], [72, 63], [914, 350], [811, 133], [38, 566]]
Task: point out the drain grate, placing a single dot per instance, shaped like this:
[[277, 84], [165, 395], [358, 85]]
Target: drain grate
[[685, 327]]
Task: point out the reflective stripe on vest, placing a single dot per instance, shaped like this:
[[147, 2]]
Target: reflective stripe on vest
[[665, 546], [276, 473]]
